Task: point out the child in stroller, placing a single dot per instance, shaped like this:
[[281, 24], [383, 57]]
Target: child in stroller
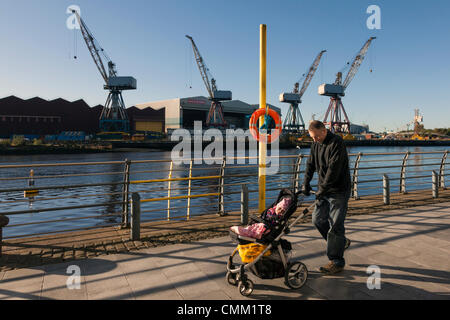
[[256, 241], [271, 217]]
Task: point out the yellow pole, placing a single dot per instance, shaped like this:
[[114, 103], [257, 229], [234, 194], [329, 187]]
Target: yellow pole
[[262, 104]]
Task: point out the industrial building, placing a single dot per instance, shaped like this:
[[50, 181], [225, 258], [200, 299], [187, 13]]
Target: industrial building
[[359, 129], [182, 112], [40, 117]]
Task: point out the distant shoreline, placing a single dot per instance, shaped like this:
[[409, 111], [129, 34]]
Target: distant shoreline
[[44, 149], [121, 146]]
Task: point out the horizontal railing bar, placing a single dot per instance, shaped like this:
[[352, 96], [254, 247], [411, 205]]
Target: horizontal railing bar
[[236, 201], [374, 174], [174, 179], [61, 208], [62, 187], [241, 166], [419, 183], [399, 166], [369, 188], [63, 176], [379, 160], [416, 177], [59, 198], [430, 158], [251, 174], [58, 164], [366, 181], [205, 168], [176, 208], [396, 153], [181, 197], [177, 217], [183, 188], [240, 175], [202, 160], [174, 170], [237, 184]]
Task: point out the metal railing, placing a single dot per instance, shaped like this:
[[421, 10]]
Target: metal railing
[[181, 188]]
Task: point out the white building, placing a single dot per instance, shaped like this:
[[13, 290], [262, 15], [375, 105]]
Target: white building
[[182, 112]]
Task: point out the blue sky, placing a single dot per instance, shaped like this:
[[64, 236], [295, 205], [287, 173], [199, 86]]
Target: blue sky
[[145, 38]]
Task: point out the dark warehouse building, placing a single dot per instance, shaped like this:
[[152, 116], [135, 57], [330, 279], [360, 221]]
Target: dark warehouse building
[[37, 116]]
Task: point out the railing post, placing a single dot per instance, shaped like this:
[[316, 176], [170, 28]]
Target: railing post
[[355, 177], [221, 188], [126, 197], [4, 220], [295, 180], [442, 169], [403, 173], [244, 205], [135, 217], [435, 184], [386, 190], [168, 191], [189, 191]]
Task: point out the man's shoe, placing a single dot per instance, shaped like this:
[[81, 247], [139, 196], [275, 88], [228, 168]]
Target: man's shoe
[[330, 268], [347, 243]]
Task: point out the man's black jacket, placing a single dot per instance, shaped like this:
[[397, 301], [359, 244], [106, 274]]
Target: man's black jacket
[[330, 160]]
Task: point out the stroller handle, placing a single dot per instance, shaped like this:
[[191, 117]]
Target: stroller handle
[[299, 193]]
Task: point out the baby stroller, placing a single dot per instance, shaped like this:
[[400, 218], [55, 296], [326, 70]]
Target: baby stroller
[[270, 260]]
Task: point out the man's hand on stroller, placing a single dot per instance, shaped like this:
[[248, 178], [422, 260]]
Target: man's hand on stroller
[[306, 189], [319, 195]]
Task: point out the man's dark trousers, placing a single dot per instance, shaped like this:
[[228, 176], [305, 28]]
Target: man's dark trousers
[[328, 217]]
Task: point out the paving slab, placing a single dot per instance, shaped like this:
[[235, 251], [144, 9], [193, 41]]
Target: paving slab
[[22, 284], [57, 285]]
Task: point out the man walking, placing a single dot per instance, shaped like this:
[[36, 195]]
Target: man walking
[[329, 159]]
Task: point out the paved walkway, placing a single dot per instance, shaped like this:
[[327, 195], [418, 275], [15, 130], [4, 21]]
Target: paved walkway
[[62, 247], [411, 247]]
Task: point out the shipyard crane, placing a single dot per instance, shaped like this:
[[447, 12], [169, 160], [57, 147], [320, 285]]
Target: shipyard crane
[[114, 117], [336, 118], [293, 123], [215, 116]]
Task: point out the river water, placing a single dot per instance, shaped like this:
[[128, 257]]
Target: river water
[[11, 201]]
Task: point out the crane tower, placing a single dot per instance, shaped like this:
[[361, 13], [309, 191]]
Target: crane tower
[[215, 116], [114, 117], [336, 118], [293, 123]]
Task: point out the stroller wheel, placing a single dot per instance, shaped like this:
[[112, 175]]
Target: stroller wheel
[[296, 275], [232, 278], [246, 288]]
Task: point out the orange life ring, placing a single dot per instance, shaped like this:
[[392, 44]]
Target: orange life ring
[[254, 128]]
